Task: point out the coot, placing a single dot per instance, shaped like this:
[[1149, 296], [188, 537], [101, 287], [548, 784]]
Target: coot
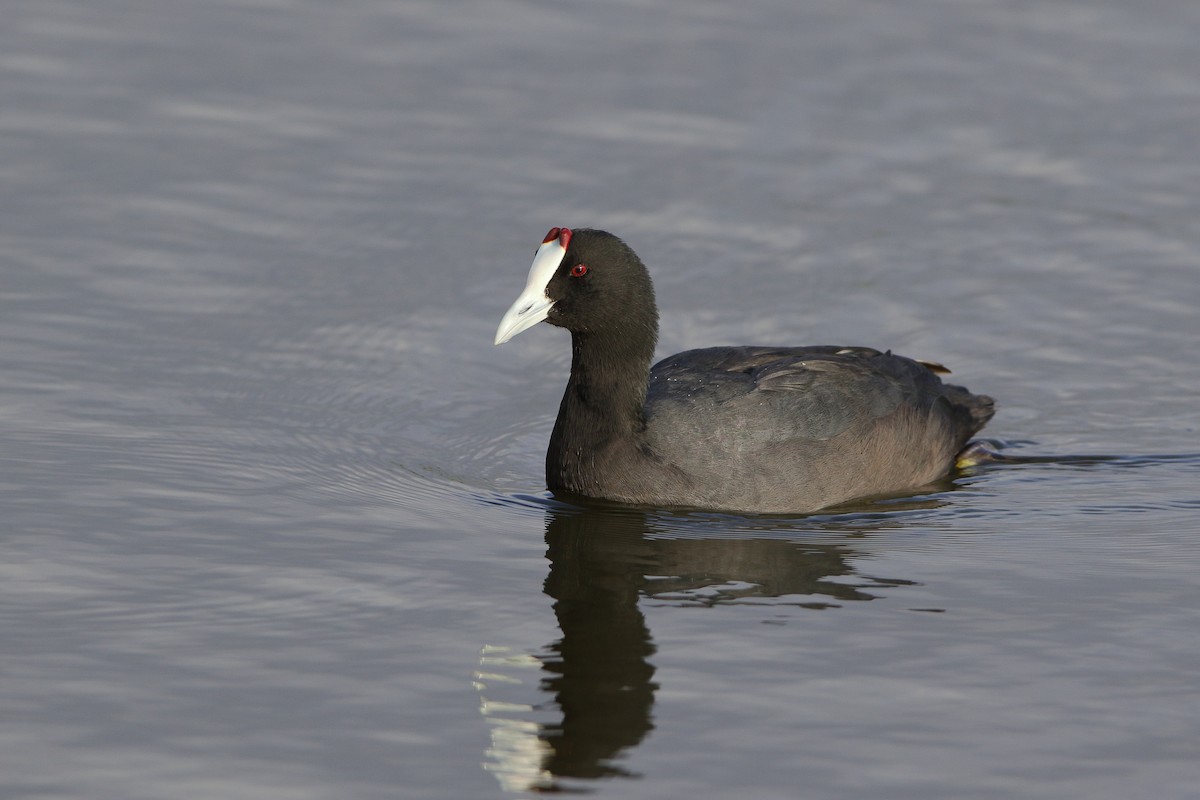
[[753, 429]]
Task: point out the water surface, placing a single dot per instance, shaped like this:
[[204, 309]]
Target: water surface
[[274, 520]]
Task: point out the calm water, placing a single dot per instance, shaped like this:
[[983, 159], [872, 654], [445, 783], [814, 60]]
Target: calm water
[[273, 516]]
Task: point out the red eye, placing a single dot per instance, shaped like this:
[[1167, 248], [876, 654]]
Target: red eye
[[579, 270]]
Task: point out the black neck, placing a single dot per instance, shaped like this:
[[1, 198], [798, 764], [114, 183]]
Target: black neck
[[602, 407]]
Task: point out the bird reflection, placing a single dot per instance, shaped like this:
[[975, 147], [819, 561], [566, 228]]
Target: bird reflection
[[600, 674]]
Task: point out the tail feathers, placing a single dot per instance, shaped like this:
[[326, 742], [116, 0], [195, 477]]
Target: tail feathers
[[974, 410]]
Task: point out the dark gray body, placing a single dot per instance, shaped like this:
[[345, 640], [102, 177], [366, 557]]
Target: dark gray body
[[778, 430]]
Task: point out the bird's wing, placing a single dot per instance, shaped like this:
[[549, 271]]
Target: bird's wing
[[776, 394]]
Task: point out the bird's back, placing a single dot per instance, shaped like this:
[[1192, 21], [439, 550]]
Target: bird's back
[[799, 428]]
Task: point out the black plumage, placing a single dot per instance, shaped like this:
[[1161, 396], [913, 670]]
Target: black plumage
[[762, 429]]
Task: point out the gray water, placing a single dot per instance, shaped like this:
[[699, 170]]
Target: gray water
[[274, 523]]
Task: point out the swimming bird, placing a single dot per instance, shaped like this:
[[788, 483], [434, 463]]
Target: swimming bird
[[745, 429]]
